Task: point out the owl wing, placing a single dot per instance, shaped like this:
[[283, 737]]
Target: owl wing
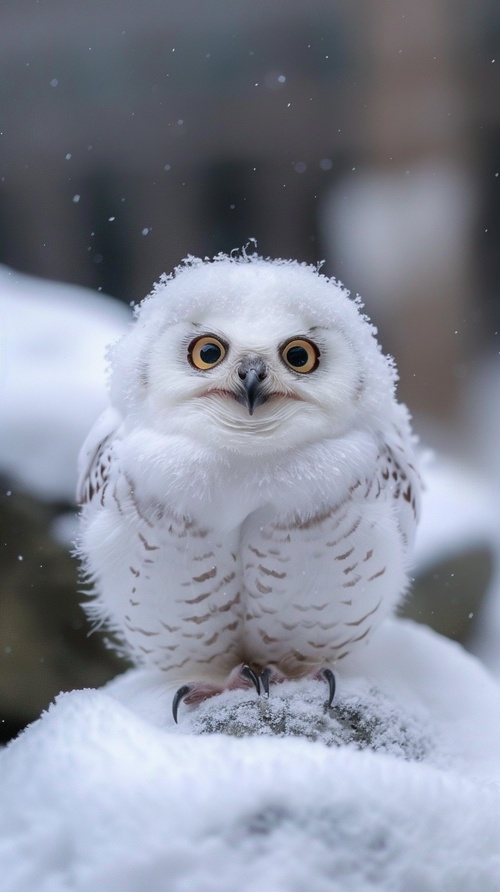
[[95, 456], [398, 471]]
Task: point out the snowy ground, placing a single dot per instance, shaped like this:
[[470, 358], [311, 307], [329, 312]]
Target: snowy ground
[[397, 788], [103, 792]]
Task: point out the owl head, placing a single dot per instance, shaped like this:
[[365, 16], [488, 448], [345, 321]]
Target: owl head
[[252, 355]]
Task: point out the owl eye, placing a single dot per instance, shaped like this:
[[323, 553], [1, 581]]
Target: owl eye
[[300, 355], [206, 352]]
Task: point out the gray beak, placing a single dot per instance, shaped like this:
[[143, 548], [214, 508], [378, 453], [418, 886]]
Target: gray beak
[[252, 372]]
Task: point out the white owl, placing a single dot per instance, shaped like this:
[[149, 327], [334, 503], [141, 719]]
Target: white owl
[[251, 495]]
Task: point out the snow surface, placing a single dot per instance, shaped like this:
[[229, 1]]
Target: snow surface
[[104, 792], [52, 377]]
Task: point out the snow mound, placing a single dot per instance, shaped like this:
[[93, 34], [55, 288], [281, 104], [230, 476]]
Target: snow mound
[[115, 804], [105, 792], [53, 339]]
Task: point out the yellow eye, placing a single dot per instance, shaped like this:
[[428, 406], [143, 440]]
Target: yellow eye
[[300, 355], [206, 352]]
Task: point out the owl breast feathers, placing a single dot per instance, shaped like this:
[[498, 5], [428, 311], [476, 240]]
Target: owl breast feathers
[[250, 496]]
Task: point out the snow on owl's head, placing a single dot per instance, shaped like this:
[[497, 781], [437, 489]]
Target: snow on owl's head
[[253, 355]]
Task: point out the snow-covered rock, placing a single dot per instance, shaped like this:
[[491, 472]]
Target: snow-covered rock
[[105, 792]]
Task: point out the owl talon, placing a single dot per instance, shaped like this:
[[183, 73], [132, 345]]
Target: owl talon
[[248, 673], [330, 678], [270, 675], [265, 676], [179, 696], [241, 676]]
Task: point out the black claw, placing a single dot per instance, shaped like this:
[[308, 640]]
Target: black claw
[[265, 676], [330, 678], [247, 672], [179, 696]]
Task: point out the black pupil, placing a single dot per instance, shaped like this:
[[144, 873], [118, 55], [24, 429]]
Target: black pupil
[[297, 356], [210, 353]]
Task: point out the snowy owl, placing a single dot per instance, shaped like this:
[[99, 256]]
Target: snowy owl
[[251, 494]]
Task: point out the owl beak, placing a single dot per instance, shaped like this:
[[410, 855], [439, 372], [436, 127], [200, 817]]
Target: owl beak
[[252, 372]]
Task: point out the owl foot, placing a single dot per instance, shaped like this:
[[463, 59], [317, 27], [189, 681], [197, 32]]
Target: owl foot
[[241, 676], [271, 675]]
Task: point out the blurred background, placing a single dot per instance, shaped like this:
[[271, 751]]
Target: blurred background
[[362, 133]]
